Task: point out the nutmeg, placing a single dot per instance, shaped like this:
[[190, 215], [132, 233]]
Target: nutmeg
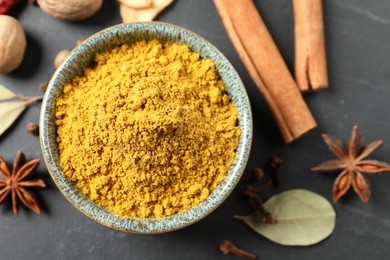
[[71, 10], [12, 43]]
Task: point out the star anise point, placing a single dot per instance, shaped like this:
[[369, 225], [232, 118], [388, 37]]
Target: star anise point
[[352, 165], [14, 183]]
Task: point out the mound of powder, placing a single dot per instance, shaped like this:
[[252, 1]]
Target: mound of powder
[[147, 130]]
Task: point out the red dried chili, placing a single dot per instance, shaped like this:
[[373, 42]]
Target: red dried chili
[[5, 5]]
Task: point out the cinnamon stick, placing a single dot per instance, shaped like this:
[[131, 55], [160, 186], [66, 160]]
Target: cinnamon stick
[[310, 56], [266, 66]]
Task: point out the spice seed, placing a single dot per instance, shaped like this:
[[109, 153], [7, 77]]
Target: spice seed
[[43, 86], [32, 128]]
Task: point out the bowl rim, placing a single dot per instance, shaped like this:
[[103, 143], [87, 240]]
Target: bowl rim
[[242, 156]]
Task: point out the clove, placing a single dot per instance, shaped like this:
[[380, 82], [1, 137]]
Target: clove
[[32, 128], [276, 174], [255, 174], [266, 217], [227, 247]]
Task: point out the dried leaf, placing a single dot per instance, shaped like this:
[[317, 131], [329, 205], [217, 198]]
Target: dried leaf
[[302, 218], [9, 112], [6, 94], [130, 15]]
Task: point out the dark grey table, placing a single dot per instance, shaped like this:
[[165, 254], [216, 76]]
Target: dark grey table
[[358, 50]]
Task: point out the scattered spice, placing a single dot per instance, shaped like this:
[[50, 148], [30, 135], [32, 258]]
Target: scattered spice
[[262, 187], [32, 128], [12, 43], [255, 174], [310, 56], [6, 5], [352, 165], [275, 164], [227, 247], [251, 192], [43, 86], [13, 182], [266, 66], [60, 58], [148, 131]]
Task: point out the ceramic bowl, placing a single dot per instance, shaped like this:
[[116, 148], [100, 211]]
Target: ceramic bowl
[[79, 58]]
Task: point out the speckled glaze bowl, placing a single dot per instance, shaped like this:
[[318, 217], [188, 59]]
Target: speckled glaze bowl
[[79, 58]]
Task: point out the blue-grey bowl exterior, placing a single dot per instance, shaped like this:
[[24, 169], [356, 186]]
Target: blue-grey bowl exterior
[[81, 57]]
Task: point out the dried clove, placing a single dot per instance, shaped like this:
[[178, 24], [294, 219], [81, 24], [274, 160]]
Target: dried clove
[[255, 174], [276, 174], [227, 247], [262, 187], [250, 192], [43, 86], [32, 128]]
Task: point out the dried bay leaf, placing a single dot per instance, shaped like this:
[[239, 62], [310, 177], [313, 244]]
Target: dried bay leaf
[[302, 218], [6, 94], [9, 112]]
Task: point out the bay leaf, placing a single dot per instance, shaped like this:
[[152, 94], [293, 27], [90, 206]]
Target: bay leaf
[[302, 218], [5, 93], [9, 112]]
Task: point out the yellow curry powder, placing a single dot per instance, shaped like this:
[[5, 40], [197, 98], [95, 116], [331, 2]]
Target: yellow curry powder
[[147, 130]]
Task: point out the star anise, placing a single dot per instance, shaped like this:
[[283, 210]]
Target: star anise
[[352, 165], [14, 183]]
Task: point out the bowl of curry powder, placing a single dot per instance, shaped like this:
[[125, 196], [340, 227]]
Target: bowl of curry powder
[[146, 127]]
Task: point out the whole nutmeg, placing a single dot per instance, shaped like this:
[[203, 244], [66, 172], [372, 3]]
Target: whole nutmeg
[[71, 10], [12, 43]]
